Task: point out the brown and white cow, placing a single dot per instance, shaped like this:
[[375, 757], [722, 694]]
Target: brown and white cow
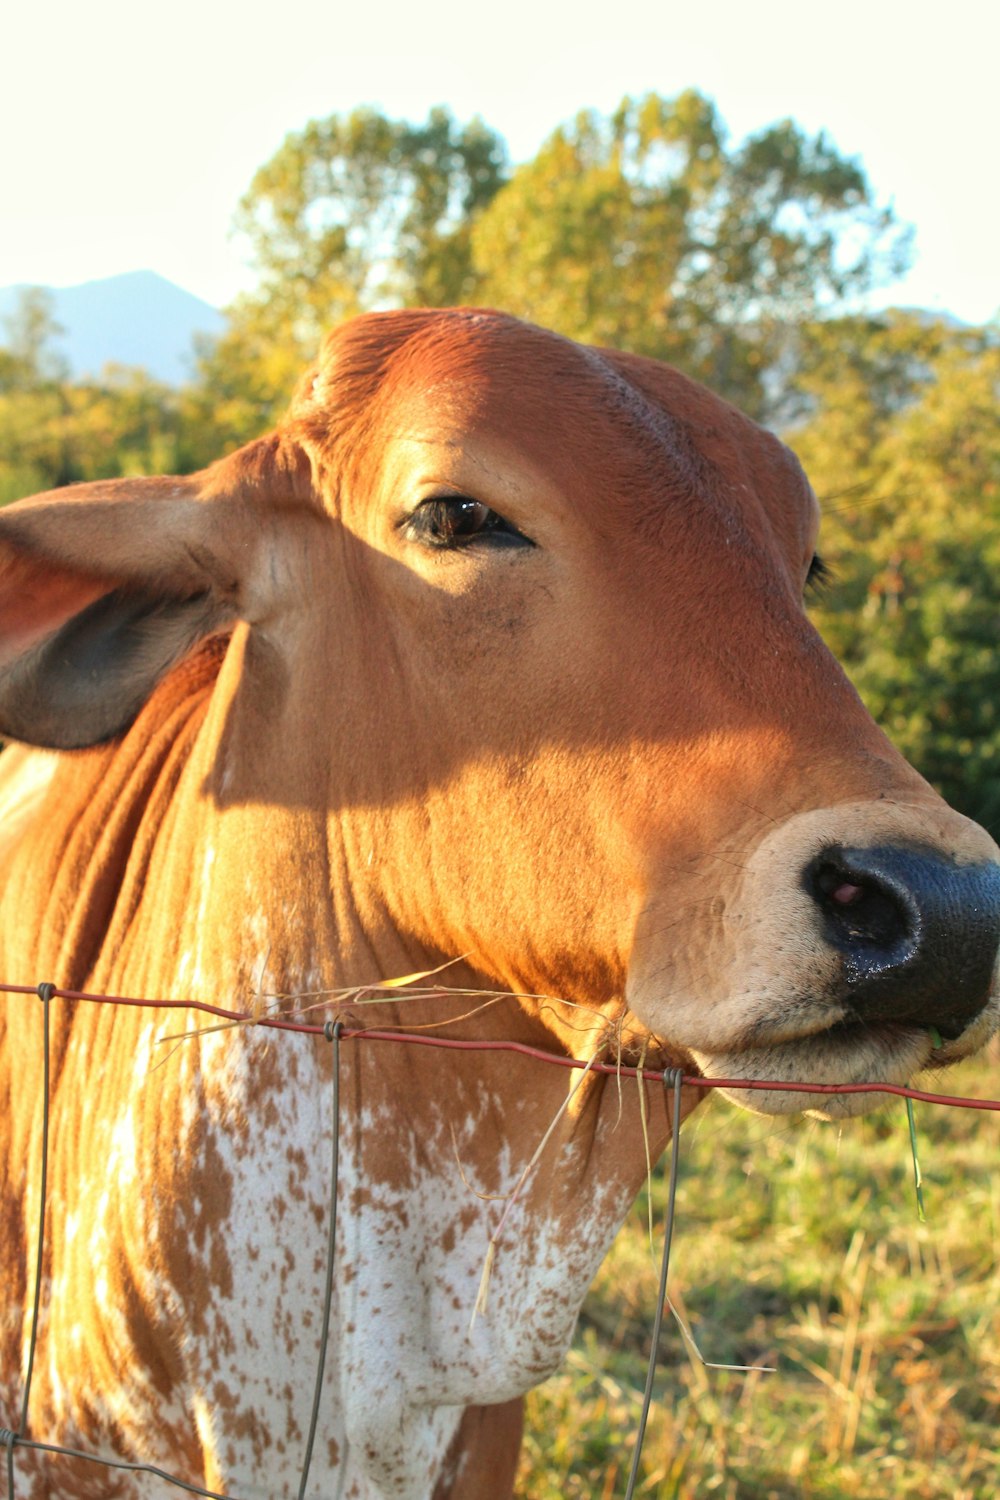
[[495, 648]]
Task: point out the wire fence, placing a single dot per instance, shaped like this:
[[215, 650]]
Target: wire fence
[[673, 1080]]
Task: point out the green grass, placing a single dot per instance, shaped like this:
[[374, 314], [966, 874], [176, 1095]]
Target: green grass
[[798, 1244]]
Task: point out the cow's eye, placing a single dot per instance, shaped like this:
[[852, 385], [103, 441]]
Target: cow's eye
[[458, 520], [819, 575]]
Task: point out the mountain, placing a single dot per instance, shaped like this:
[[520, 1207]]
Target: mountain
[[137, 318]]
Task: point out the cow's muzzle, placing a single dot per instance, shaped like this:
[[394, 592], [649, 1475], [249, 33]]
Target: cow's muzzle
[[916, 932]]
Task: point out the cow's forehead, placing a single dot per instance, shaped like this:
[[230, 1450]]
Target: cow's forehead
[[551, 397], [396, 392]]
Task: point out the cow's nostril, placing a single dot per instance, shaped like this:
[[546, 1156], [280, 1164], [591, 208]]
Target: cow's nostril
[[861, 906]]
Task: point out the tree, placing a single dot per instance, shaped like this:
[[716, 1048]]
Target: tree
[[35, 450], [905, 441], [644, 231], [243, 382], [56, 431], [31, 331], [354, 212]]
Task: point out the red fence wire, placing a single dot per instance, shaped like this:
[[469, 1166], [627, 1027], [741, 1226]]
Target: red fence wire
[[555, 1059]]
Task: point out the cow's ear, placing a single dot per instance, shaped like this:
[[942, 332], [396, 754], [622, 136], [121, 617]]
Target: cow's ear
[[104, 587], [83, 652]]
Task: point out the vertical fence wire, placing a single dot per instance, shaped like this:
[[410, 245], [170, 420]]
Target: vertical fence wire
[[331, 1031], [673, 1079], [45, 993], [20, 1436]]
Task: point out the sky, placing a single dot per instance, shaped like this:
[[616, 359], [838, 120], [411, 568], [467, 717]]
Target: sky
[[129, 132]]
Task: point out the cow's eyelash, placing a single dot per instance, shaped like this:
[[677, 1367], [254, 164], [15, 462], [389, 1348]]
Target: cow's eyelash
[[819, 576]]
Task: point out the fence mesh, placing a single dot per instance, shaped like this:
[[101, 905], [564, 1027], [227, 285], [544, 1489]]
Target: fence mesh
[[335, 1032]]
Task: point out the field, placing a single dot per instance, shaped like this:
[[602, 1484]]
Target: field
[[798, 1244]]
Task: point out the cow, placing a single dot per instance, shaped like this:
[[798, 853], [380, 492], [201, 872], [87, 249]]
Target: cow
[[493, 654]]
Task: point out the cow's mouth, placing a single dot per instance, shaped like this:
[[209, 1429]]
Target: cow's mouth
[[847, 1052]]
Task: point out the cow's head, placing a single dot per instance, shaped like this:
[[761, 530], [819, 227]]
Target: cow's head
[[524, 623]]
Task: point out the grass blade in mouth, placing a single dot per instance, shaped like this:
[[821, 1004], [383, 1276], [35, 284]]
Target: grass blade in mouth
[[918, 1181]]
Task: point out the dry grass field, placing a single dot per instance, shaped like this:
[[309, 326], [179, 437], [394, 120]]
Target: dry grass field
[[798, 1244]]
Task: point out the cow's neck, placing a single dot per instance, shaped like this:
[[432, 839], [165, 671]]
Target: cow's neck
[[433, 1143], [209, 800]]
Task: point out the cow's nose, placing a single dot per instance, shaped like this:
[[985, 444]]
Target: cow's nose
[[918, 934]]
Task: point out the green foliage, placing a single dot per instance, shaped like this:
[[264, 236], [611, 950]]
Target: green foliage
[[904, 446], [243, 383], [30, 329], [56, 431]]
